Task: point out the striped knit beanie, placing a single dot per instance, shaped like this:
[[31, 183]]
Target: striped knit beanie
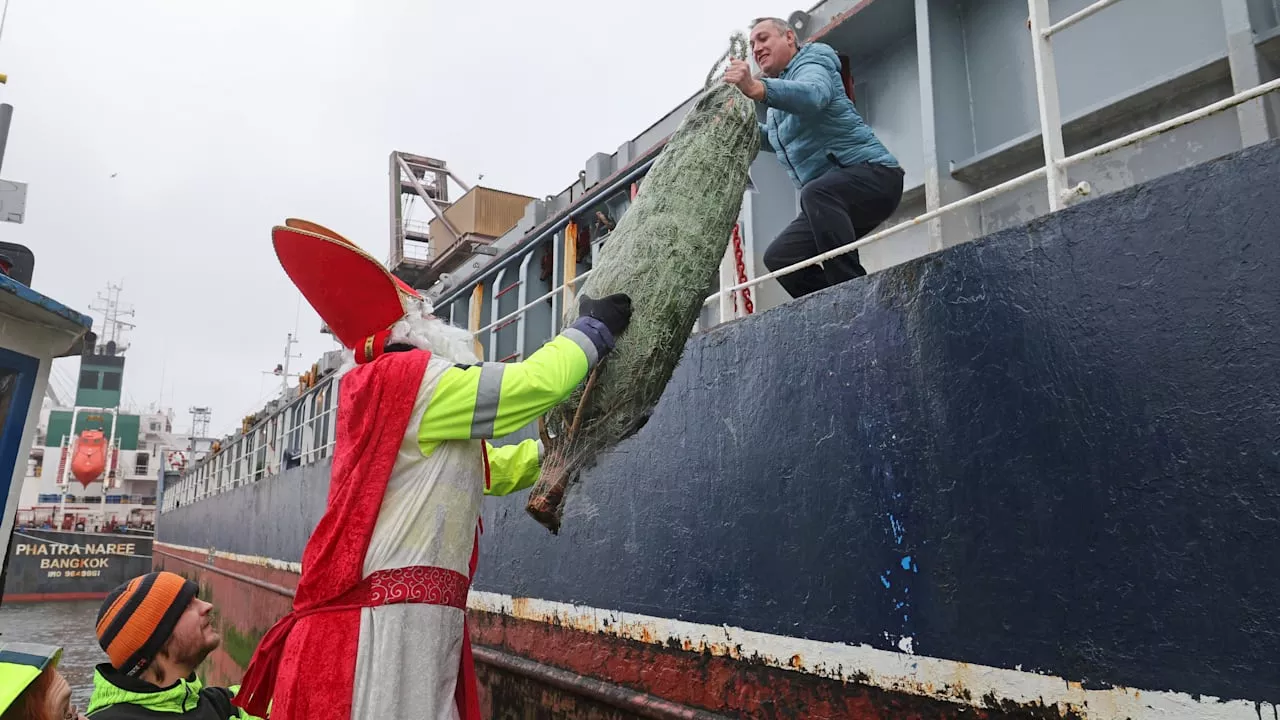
[[138, 617]]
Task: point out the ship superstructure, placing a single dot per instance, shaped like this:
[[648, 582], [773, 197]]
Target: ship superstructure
[[97, 462]]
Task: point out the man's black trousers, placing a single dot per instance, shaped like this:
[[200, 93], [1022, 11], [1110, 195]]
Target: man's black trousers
[[835, 209]]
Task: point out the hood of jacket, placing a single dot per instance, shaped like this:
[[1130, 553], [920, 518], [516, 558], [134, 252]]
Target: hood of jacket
[[115, 688], [814, 52]]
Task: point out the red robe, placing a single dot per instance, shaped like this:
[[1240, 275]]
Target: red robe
[[316, 653]]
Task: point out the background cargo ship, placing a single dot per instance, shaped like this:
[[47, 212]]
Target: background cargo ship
[[1026, 468], [85, 515]]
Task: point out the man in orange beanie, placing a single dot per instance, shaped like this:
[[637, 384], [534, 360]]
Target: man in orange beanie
[[155, 632]]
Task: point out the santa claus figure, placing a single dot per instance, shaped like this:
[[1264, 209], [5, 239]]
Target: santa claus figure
[[378, 627]]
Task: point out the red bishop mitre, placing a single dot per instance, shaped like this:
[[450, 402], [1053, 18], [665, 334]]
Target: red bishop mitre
[[351, 291]]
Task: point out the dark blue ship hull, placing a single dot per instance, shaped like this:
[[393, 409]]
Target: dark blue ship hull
[[1035, 475]]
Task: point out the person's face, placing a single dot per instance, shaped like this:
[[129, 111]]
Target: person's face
[[193, 637], [772, 48], [60, 700]]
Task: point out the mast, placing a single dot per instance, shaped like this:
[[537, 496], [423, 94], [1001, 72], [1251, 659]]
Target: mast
[[110, 351], [282, 369], [112, 325], [284, 375]]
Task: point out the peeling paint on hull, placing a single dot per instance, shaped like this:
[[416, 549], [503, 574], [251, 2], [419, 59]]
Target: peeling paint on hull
[[723, 670], [242, 612], [725, 686], [731, 670]]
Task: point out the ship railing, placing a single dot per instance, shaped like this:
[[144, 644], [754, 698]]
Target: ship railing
[[1053, 173], [298, 434]]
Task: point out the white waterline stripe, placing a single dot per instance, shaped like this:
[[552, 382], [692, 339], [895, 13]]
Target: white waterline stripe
[[947, 680], [259, 560]]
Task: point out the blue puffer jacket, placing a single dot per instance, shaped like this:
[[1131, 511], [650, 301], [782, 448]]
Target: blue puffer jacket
[[811, 124]]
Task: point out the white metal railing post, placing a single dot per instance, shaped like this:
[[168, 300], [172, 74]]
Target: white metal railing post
[[1047, 99], [522, 297], [727, 280], [556, 273], [495, 291]]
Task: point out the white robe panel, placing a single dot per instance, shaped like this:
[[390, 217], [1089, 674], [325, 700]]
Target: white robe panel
[[407, 664]]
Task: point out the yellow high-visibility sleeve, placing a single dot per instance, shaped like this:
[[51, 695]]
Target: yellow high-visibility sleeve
[[491, 400], [513, 467]]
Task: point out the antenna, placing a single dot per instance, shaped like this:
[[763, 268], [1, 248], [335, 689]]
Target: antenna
[[282, 369], [112, 337]]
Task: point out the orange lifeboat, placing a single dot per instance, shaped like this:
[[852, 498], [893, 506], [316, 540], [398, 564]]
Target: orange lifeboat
[[90, 458]]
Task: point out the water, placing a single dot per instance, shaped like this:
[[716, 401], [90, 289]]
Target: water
[[69, 624]]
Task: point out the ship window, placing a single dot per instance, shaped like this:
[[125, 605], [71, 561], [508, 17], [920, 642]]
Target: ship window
[[89, 379], [111, 381]]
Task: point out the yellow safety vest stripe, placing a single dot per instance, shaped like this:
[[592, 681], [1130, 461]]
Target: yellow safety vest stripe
[[495, 399]]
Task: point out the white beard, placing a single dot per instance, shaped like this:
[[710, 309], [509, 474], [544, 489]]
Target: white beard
[[423, 330]]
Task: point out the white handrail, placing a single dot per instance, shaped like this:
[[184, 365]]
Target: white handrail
[[926, 217], [526, 306], [1047, 105], [978, 197], [1102, 149], [1076, 17], [1184, 119]]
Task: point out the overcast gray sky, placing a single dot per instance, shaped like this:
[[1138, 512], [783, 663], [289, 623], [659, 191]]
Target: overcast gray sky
[[220, 119]]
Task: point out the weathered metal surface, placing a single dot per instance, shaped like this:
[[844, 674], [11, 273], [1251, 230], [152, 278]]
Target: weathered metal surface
[[728, 686], [21, 301], [211, 566], [906, 677], [270, 519], [508, 696], [242, 611], [542, 679]]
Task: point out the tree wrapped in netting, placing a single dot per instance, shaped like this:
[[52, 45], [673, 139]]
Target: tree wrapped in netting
[[665, 254]]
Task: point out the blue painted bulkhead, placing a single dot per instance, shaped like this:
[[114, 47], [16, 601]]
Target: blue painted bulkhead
[[1054, 448]]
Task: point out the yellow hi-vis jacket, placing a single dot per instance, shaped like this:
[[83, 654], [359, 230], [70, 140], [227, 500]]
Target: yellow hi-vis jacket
[[491, 400], [20, 664]]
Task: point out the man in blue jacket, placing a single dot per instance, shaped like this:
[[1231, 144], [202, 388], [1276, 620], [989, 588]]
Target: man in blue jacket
[[849, 182]]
